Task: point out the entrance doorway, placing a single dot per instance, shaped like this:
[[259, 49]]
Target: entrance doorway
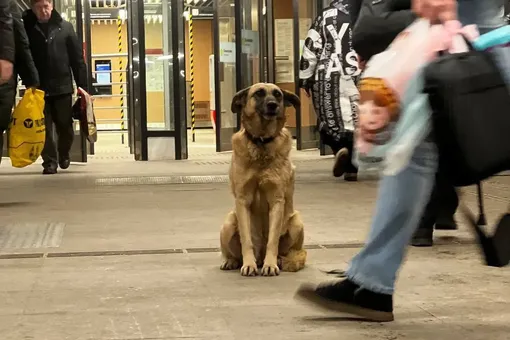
[[139, 56], [199, 57]]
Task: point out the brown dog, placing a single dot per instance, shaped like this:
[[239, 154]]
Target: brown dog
[[264, 230]]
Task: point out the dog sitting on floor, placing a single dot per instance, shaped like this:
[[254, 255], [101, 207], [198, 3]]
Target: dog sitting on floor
[[264, 231]]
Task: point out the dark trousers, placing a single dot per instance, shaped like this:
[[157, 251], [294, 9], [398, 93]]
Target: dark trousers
[[7, 98], [58, 115], [442, 204], [347, 141]]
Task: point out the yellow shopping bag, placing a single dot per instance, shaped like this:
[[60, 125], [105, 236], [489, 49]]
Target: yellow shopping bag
[[27, 130]]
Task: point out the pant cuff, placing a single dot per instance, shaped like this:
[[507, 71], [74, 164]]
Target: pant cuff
[[365, 283]]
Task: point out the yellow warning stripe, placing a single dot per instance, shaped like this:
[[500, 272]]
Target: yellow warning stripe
[[121, 76], [192, 74]]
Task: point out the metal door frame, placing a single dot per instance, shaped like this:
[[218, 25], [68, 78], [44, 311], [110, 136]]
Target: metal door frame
[[87, 28], [295, 37], [83, 36], [217, 81], [136, 38]]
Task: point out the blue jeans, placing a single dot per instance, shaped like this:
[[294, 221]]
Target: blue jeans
[[402, 198]]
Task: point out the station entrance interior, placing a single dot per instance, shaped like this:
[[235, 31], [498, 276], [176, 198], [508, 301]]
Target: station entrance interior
[[144, 109]]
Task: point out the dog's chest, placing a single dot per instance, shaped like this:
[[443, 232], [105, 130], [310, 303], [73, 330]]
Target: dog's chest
[[261, 155]]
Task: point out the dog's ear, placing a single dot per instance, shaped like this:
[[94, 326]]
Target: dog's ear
[[291, 99], [239, 100]]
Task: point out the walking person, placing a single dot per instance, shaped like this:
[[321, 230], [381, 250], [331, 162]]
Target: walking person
[[328, 73], [23, 65], [369, 287], [58, 56]]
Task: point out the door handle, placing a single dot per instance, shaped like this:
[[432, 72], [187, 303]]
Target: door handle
[[135, 41], [135, 74]]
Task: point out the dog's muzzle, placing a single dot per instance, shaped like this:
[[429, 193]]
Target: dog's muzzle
[[272, 109]]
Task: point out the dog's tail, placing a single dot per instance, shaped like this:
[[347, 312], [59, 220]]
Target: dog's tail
[[294, 261]]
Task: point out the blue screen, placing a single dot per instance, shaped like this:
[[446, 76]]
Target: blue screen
[[103, 77]]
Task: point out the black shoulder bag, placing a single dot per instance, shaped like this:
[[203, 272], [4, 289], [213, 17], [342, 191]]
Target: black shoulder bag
[[471, 119]]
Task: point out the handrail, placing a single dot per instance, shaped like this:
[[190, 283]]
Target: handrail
[[109, 55]]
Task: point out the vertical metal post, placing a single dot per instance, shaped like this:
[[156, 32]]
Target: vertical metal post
[[192, 73], [80, 33], [239, 19], [217, 82], [130, 92], [297, 47], [319, 6], [179, 80], [121, 77], [270, 42], [86, 24]]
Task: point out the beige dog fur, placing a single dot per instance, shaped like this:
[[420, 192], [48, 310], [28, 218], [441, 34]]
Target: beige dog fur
[[264, 231]]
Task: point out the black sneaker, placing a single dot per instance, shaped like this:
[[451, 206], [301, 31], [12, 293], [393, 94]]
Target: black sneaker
[[446, 223], [423, 237], [351, 177], [341, 159], [347, 297], [50, 170], [64, 163]]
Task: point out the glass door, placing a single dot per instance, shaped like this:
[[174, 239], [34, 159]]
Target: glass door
[[224, 26], [307, 134], [250, 14], [157, 79], [284, 13]]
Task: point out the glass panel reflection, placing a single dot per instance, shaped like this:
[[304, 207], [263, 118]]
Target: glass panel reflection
[[159, 66]]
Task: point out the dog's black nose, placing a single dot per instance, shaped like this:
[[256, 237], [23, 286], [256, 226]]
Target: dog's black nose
[[272, 106]]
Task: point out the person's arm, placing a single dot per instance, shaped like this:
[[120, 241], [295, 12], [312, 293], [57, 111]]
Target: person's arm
[[6, 41], [6, 32], [312, 50], [75, 53], [24, 62]]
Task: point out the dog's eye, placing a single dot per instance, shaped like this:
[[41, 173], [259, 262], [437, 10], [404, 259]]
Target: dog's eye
[[260, 93], [277, 94]]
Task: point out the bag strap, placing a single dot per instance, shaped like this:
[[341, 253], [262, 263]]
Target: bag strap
[[482, 220]]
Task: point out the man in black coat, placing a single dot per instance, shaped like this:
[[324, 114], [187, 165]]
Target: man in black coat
[[6, 42], [23, 65], [58, 56], [377, 23]]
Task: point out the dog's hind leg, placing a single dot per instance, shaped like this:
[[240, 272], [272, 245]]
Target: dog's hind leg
[[230, 243], [292, 256]]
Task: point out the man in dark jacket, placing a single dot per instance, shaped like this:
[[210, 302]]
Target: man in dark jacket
[[6, 42], [23, 65], [58, 56]]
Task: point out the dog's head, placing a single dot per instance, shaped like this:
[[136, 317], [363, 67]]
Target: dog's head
[[264, 101]]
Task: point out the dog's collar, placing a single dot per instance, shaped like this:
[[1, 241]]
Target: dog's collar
[[259, 141]]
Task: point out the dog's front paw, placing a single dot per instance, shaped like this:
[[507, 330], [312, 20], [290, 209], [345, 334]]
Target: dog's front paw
[[230, 264], [249, 269], [270, 269]]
